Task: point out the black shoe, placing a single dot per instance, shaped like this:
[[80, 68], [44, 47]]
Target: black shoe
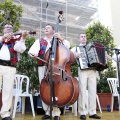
[[56, 118], [45, 117], [6, 118], [83, 117], [95, 116]]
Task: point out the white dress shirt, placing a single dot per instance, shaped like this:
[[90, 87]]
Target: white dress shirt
[[18, 47], [74, 48], [34, 50]]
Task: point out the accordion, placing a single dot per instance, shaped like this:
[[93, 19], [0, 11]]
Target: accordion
[[93, 56]]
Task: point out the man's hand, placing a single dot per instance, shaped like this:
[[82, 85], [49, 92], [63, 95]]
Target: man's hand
[[7, 37], [33, 56], [24, 35], [77, 55], [59, 37]]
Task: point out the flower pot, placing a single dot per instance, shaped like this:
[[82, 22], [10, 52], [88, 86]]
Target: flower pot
[[105, 100]]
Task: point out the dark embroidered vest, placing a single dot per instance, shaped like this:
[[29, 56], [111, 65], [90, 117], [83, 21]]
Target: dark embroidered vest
[[43, 45], [13, 53]]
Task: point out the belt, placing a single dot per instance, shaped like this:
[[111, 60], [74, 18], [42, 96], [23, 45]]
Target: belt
[[6, 63]]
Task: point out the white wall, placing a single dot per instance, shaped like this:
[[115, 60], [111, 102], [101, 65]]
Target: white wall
[[115, 13], [104, 11], [109, 15]]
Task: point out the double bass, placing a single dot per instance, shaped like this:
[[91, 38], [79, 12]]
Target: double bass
[[65, 88]]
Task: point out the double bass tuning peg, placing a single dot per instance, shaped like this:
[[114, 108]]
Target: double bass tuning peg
[[61, 18]]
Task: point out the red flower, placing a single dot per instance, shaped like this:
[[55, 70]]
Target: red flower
[[12, 50], [13, 60], [41, 52]]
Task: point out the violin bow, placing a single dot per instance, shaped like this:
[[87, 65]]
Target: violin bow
[[46, 62]]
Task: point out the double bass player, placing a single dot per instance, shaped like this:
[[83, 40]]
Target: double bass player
[[39, 48]]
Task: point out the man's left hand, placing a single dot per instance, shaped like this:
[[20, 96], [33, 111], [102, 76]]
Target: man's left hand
[[58, 36], [24, 35]]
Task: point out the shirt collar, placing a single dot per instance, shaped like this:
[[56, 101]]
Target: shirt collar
[[48, 40], [82, 44]]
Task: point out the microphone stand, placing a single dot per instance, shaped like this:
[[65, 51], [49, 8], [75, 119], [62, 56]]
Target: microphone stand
[[117, 52]]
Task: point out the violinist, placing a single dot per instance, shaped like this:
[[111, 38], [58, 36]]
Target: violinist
[[39, 48], [8, 61]]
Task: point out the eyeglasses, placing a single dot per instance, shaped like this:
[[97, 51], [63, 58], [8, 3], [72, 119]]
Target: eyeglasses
[[8, 26]]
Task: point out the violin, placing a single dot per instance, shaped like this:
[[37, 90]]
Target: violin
[[13, 37]]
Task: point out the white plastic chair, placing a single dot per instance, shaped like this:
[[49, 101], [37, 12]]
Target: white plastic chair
[[113, 84], [74, 108], [19, 80], [98, 102]]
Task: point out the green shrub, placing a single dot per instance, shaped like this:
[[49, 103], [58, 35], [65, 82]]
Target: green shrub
[[28, 66], [101, 34]]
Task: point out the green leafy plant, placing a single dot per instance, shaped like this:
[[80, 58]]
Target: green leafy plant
[[102, 86], [74, 67], [28, 66], [101, 34], [14, 12]]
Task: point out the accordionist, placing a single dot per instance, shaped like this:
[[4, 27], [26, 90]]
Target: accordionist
[[87, 81]]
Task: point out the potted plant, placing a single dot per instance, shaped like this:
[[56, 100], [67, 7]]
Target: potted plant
[[101, 34], [103, 89], [28, 66]]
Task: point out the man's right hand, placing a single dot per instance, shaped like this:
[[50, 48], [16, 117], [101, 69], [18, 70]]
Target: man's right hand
[[77, 55], [33, 56], [7, 37]]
